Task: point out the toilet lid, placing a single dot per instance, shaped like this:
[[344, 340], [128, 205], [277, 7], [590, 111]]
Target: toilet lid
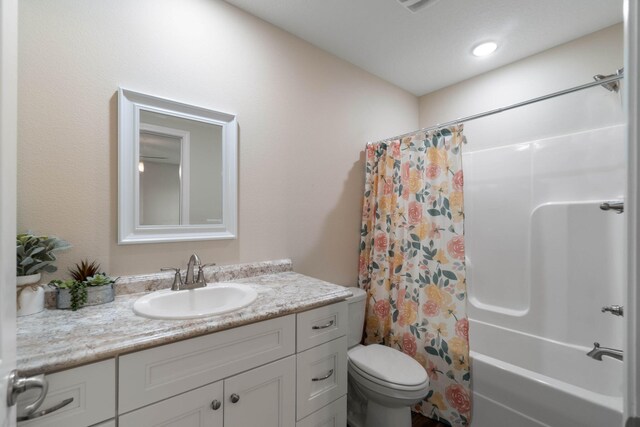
[[388, 364]]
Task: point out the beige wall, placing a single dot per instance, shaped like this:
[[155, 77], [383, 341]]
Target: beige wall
[[564, 66], [304, 117]]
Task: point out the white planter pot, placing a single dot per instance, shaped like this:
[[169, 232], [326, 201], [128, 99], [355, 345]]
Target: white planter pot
[[30, 295]]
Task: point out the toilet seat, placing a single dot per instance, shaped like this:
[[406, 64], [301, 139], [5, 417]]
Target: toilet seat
[[387, 367], [357, 372]]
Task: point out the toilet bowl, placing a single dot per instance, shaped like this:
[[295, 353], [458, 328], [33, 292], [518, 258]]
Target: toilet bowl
[[383, 380]]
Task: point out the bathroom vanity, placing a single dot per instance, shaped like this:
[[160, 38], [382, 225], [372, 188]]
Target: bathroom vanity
[[279, 362]]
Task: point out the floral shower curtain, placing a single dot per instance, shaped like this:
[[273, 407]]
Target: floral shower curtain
[[412, 262]]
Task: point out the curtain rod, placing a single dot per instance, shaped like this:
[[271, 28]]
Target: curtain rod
[[601, 82]]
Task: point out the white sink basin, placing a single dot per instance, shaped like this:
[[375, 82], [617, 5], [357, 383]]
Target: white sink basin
[[215, 298]]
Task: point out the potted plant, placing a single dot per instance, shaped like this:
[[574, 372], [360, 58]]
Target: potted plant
[[87, 286], [34, 254]]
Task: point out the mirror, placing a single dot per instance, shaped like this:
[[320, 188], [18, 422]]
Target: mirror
[[177, 171]]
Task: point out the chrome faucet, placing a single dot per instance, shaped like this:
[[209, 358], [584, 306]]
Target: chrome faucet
[[193, 261], [191, 281], [598, 352]]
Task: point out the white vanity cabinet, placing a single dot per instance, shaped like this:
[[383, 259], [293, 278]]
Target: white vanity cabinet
[[290, 371]]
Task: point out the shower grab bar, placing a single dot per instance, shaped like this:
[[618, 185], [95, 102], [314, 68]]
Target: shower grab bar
[[612, 206]]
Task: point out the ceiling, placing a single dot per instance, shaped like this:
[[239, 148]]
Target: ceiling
[[430, 49]]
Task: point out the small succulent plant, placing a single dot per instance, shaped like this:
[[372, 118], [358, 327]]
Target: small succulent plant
[[37, 253], [83, 270], [77, 290], [83, 275], [99, 279]]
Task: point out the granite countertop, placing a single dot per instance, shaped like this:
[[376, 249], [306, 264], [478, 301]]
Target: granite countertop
[[54, 340]]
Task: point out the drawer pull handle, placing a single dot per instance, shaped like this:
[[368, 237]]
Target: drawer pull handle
[[323, 326], [215, 405], [235, 398], [46, 411], [323, 378]]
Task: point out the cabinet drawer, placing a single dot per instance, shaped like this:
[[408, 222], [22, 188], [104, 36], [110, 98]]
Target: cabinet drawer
[[158, 373], [321, 325], [192, 409], [93, 389], [332, 415], [322, 376]]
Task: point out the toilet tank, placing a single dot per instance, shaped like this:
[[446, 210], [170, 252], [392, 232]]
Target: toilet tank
[[356, 307]]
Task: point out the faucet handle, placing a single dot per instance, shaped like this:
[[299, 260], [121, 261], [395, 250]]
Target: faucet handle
[[177, 279], [201, 272], [211, 264]]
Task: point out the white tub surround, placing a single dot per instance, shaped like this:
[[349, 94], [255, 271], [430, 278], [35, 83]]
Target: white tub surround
[[542, 260]]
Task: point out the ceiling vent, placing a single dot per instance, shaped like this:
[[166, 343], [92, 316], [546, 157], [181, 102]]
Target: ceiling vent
[[414, 6]]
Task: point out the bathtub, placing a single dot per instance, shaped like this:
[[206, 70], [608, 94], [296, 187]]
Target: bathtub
[[542, 259], [527, 381]]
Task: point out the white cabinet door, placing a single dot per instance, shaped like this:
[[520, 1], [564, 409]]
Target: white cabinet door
[[264, 396], [202, 407]]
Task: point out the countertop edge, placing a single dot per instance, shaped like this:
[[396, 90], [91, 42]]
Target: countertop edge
[[142, 343]]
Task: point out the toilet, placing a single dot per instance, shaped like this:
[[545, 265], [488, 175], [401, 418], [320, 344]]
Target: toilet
[[383, 382]]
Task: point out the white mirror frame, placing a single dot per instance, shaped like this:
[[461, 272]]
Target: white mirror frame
[[129, 229]]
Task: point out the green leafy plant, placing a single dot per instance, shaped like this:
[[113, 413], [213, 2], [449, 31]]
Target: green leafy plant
[[83, 275], [37, 253]]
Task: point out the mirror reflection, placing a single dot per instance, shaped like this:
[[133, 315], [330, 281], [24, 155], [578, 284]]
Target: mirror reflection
[[180, 171], [177, 171]]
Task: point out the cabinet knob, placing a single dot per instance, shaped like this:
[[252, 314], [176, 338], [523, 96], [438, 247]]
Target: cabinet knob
[[235, 398], [215, 405]]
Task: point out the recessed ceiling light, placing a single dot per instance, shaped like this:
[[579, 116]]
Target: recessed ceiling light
[[484, 49]]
